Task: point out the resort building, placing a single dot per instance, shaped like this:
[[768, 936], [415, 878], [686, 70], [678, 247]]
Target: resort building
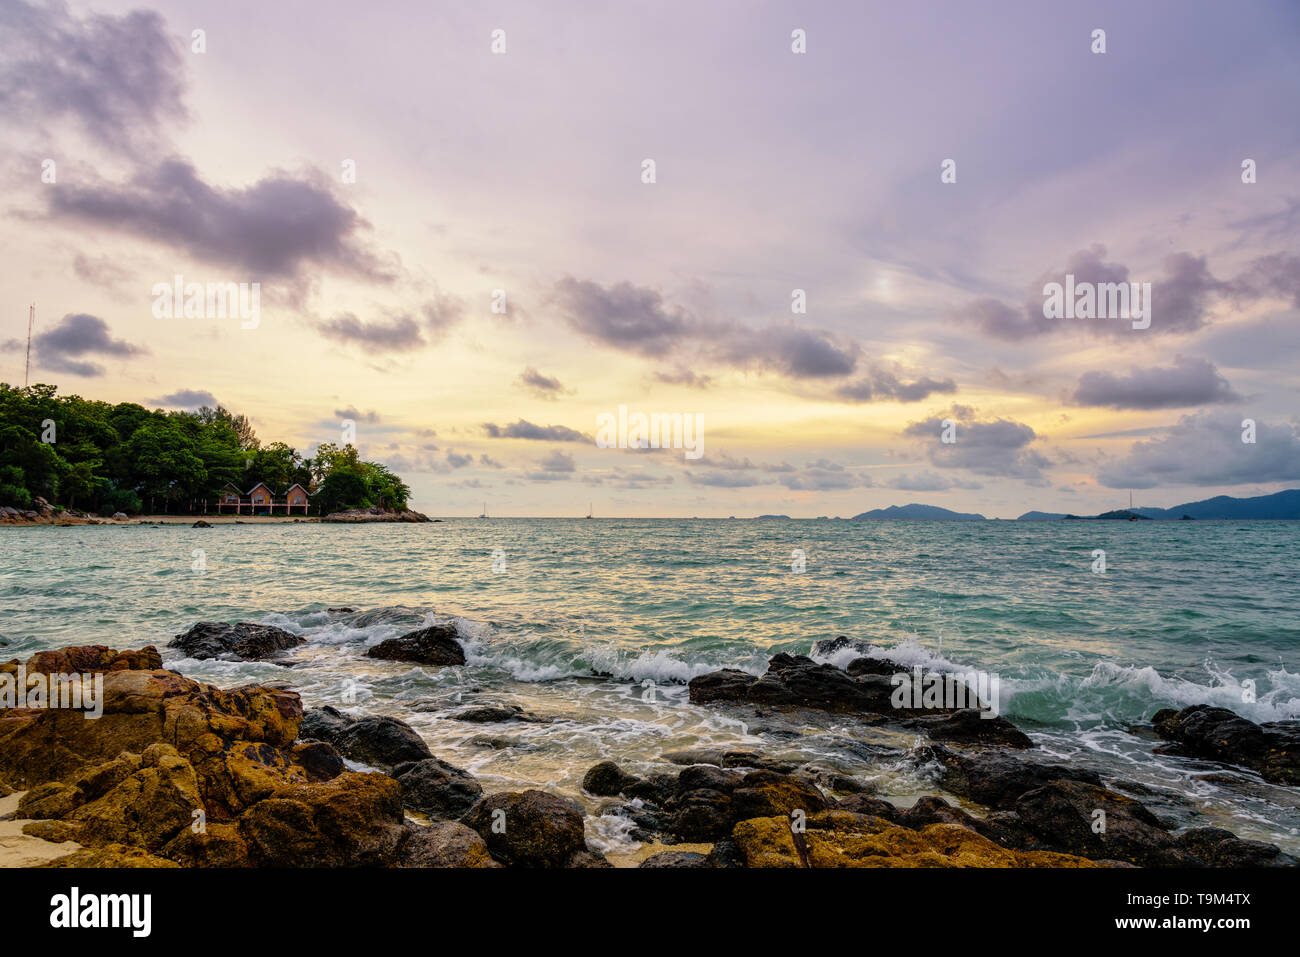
[[262, 500]]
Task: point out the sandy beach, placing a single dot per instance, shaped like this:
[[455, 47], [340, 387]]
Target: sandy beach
[[21, 850]]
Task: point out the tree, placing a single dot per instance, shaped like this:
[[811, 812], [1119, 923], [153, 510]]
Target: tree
[[112, 458]]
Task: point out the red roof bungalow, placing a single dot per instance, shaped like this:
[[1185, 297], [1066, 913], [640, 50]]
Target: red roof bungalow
[[261, 499]]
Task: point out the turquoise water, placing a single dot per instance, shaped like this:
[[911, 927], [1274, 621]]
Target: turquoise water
[[599, 623]]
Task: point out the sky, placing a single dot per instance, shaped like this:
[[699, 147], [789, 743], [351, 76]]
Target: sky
[[461, 254]]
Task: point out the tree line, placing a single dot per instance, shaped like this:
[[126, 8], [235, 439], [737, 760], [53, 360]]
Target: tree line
[[103, 457]]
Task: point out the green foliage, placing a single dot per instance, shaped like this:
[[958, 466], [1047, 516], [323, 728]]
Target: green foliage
[[126, 458]]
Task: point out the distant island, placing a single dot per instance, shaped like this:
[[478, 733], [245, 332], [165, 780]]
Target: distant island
[[928, 513], [1280, 506]]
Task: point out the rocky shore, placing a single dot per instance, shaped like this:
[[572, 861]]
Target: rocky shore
[[181, 773], [376, 514], [46, 514]]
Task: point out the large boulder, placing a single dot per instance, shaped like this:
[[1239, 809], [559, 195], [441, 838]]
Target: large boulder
[[969, 726], [797, 681], [675, 859], [995, 778], [354, 820], [445, 844], [1220, 848], [435, 645], [1065, 816], [245, 641], [141, 708], [841, 839], [1202, 731], [607, 779], [530, 828], [377, 741], [91, 659], [437, 788]]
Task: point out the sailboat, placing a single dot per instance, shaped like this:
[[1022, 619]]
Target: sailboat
[[589, 510], [484, 515]]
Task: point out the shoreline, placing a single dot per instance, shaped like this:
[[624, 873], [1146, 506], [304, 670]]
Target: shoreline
[[188, 520], [127, 790]]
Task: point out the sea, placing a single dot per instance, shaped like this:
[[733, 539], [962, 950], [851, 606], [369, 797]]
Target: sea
[[594, 626]]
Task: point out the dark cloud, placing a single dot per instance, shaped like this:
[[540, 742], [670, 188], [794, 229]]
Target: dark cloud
[[1187, 382], [523, 429], [100, 272], [542, 386], [636, 319], [883, 384], [356, 415], [119, 78], [187, 399], [72, 340], [1277, 275], [685, 377], [790, 351], [379, 335], [991, 447], [1206, 449], [272, 229], [1181, 299], [458, 460], [624, 316]]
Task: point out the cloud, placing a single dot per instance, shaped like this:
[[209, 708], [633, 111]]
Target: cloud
[[727, 479], [100, 272], [1274, 275], [542, 386], [1206, 449], [789, 350], [990, 447], [356, 415], [523, 429], [120, 79], [630, 478], [636, 319], [554, 467], [273, 229], [1188, 381], [1180, 299], [823, 476], [392, 335], [684, 377], [187, 399], [440, 313], [75, 337], [624, 316], [928, 482], [883, 384]]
